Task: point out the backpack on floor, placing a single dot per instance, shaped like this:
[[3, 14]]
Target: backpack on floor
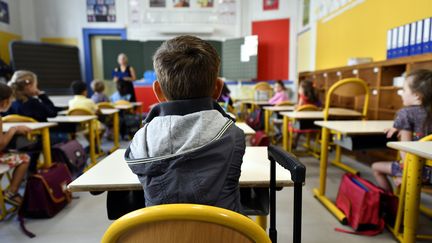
[[72, 153], [260, 138], [256, 120], [45, 194], [360, 201]]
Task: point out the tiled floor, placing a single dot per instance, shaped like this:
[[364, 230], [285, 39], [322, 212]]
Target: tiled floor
[[84, 220]]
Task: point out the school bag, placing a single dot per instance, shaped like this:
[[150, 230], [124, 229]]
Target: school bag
[[260, 138], [72, 153], [45, 194], [256, 120], [360, 201]]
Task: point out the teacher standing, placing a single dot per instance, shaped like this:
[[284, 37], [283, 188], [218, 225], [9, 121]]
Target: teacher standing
[[124, 75]]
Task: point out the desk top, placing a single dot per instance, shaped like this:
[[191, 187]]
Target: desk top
[[246, 128], [61, 100], [127, 107], [421, 149], [356, 127], [113, 174], [280, 108], [255, 102], [31, 125], [342, 112], [104, 111], [71, 119]]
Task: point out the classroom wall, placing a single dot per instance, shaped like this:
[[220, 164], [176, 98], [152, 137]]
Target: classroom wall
[[253, 11], [11, 31], [362, 30]]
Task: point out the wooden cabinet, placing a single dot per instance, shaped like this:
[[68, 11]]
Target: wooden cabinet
[[384, 100]]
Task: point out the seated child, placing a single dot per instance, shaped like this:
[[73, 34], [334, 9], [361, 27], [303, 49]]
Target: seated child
[[30, 101], [98, 95], [18, 160], [121, 93], [281, 93], [412, 122], [80, 100], [307, 94], [189, 150]]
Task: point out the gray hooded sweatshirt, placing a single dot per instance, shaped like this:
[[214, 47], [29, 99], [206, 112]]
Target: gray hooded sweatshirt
[[189, 151]]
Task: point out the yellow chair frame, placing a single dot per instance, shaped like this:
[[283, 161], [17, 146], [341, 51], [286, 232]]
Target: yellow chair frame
[[349, 87], [155, 218], [106, 105], [17, 118], [396, 229]]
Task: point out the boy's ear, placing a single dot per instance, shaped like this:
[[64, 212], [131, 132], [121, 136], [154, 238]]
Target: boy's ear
[[218, 88], [157, 90]]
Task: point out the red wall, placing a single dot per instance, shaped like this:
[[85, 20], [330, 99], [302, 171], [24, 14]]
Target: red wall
[[145, 95], [273, 48]]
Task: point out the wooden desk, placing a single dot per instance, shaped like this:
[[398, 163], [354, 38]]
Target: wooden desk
[[113, 173], [418, 152], [133, 105], [268, 110], [246, 128], [342, 128], [43, 127], [90, 120], [296, 118]]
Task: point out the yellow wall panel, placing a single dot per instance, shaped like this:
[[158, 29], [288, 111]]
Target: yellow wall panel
[[5, 38], [304, 49], [64, 41], [362, 30]]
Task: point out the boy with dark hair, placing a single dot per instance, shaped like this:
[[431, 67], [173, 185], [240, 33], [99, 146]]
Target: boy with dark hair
[[80, 100], [189, 150]]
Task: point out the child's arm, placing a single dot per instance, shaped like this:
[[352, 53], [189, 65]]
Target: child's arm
[[5, 138]]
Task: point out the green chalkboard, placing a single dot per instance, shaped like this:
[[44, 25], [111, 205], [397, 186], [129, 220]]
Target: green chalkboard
[[149, 49], [232, 67], [133, 49]]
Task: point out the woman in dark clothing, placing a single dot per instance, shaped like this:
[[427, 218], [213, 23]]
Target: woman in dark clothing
[[126, 75]]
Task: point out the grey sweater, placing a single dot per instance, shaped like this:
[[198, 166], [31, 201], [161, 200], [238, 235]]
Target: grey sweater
[[188, 151]]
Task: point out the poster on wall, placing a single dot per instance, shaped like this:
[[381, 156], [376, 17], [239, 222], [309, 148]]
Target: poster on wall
[[205, 3], [157, 3], [181, 3], [101, 11], [270, 4], [4, 12]]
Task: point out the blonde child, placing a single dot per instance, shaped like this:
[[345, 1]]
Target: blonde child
[[98, 89], [18, 160], [412, 122]]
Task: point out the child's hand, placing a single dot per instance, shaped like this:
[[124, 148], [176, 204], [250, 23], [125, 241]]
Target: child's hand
[[390, 132], [22, 129]]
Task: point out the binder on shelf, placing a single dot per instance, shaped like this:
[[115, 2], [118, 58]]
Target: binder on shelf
[[426, 35], [405, 47], [394, 43], [419, 38], [413, 35], [389, 44], [400, 39]]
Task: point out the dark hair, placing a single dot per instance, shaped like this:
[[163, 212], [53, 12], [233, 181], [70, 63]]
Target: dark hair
[[281, 84], [187, 67], [225, 90], [5, 91], [78, 87], [98, 86], [421, 84], [309, 91], [122, 87]]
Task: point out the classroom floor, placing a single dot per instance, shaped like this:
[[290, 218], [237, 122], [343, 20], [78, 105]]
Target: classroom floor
[[84, 220]]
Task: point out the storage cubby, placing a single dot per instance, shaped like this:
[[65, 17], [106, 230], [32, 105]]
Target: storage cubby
[[369, 75], [389, 72]]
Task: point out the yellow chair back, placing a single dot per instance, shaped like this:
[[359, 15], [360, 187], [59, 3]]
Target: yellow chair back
[[284, 103], [105, 105], [122, 102], [349, 87], [264, 86], [307, 108], [17, 118], [183, 223], [79, 112]]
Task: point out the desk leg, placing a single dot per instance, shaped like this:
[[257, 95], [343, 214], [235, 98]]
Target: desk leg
[[338, 163], [412, 197], [320, 193], [92, 131], [285, 133], [46, 147], [116, 132], [266, 121], [262, 221]]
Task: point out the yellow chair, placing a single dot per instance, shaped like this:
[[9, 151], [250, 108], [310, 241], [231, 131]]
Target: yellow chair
[[99, 129], [122, 102], [105, 105], [262, 86], [17, 118], [282, 103], [396, 229], [184, 223], [350, 87]]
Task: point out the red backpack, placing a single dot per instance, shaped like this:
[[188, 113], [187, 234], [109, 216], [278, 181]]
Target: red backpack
[[260, 138]]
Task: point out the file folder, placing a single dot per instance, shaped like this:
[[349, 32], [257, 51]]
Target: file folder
[[389, 44], [413, 35], [394, 43], [419, 37], [426, 35], [400, 39], [405, 48]]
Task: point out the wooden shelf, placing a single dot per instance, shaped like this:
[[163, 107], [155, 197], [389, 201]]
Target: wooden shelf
[[389, 88]]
